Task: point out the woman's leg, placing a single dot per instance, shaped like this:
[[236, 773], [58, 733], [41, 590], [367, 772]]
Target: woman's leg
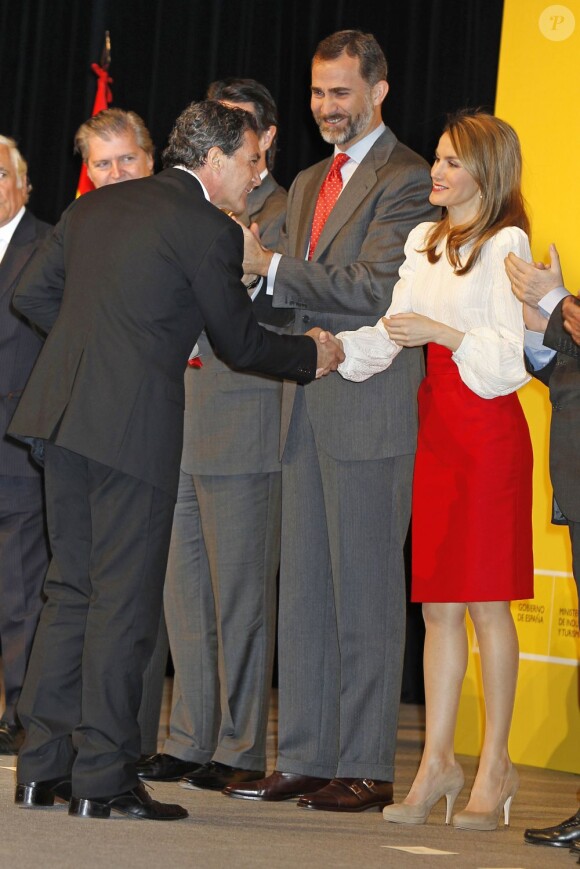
[[445, 662], [499, 652]]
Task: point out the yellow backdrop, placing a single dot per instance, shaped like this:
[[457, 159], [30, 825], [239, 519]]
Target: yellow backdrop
[[539, 94]]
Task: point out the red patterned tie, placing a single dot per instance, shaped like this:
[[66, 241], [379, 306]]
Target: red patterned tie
[[329, 193]]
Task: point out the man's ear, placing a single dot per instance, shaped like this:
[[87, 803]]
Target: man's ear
[[266, 138], [379, 91], [215, 158]]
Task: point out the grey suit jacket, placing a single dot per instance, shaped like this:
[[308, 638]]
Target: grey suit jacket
[[19, 343], [562, 376], [232, 420], [349, 284]]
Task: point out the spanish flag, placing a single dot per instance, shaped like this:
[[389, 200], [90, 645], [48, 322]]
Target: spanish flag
[[102, 100]]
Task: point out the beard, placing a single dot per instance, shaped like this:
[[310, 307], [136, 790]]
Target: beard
[[354, 126]]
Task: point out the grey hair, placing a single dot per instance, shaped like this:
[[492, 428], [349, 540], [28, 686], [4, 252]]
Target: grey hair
[[18, 162], [205, 125], [112, 122]]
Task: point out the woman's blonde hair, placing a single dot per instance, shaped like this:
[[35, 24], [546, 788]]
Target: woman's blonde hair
[[489, 150]]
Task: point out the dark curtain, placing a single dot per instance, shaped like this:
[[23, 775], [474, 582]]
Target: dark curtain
[[442, 55]]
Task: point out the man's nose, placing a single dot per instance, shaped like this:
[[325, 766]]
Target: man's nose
[[328, 105], [115, 169]]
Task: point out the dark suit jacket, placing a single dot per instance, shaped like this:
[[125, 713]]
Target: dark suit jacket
[[232, 420], [349, 284], [19, 343], [132, 274], [562, 376]]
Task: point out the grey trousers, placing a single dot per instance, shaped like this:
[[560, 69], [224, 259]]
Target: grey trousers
[[220, 609], [342, 608]]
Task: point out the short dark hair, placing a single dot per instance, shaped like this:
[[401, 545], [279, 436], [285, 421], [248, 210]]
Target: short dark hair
[[205, 125], [373, 63], [113, 122], [248, 90]]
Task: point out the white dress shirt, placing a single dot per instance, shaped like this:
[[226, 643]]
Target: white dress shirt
[[7, 231]]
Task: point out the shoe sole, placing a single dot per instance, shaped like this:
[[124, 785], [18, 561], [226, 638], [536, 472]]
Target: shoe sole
[[257, 799], [550, 844], [376, 806], [82, 808]]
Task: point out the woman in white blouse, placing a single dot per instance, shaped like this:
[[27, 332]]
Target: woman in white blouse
[[472, 546]]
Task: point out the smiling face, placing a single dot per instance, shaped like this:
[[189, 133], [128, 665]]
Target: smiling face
[[453, 187], [13, 188], [345, 107], [117, 158], [235, 176]]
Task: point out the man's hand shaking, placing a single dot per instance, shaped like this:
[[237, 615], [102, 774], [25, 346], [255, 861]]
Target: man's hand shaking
[[330, 352]]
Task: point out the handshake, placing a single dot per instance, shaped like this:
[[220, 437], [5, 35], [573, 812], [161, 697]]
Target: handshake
[[330, 352]]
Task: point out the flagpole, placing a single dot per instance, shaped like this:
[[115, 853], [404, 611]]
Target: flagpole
[[103, 98]]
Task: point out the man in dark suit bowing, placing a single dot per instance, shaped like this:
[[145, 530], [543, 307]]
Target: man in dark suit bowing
[[132, 274], [220, 587], [23, 540]]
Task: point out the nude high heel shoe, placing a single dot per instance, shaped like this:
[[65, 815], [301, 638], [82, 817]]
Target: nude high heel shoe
[[447, 786], [490, 820]]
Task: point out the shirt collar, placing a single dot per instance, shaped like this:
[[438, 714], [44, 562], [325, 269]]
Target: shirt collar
[[359, 150], [191, 172], [7, 231]]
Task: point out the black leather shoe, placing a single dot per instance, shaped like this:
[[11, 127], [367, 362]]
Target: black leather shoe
[[165, 767], [136, 804], [276, 787], [214, 776], [575, 848], [11, 738], [350, 795], [563, 835], [42, 793]]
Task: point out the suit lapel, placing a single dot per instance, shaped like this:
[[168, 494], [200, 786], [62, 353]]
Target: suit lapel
[[21, 247], [258, 195], [307, 206], [363, 180]]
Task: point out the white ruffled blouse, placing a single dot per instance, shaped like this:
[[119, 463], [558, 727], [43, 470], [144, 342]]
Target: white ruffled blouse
[[481, 304]]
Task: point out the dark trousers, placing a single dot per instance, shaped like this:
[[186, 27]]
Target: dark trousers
[[109, 535], [23, 564], [575, 539]]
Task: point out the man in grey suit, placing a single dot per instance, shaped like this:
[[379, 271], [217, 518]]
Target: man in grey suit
[[23, 541], [553, 356], [347, 457], [220, 587], [106, 401]]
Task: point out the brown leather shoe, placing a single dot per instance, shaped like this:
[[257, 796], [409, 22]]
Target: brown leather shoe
[[350, 795], [276, 787]]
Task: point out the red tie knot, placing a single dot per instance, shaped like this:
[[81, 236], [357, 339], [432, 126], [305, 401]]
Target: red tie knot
[[339, 162]]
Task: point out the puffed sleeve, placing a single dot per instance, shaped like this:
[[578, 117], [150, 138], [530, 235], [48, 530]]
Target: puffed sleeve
[[369, 350], [490, 357]]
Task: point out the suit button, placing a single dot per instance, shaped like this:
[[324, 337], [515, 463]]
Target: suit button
[[306, 318]]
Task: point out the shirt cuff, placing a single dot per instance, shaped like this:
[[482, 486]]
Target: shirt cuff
[[547, 304], [272, 270], [537, 353], [257, 289]]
